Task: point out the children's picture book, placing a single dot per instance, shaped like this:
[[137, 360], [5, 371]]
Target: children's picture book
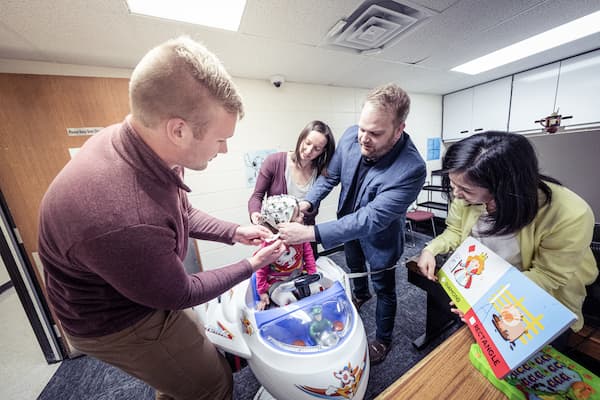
[[547, 375], [509, 315]]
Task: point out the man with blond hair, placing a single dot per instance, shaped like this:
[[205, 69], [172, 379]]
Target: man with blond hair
[[115, 222], [381, 173]]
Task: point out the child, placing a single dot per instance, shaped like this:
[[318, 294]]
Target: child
[[297, 258]]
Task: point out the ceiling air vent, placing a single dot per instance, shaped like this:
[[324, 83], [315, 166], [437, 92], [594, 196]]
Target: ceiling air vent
[[375, 24]]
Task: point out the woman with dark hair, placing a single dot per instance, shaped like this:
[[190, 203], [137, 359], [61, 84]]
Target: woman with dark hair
[[529, 219], [294, 172]]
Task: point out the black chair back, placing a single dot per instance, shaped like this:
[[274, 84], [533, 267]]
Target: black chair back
[[591, 305]]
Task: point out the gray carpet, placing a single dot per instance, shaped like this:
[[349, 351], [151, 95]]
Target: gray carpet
[[88, 378]]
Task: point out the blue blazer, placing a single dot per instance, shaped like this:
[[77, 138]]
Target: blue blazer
[[389, 187]]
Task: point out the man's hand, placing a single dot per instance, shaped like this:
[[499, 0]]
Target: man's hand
[[295, 233], [426, 265], [252, 235], [267, 255]]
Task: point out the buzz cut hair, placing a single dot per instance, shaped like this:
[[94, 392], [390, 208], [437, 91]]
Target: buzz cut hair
[[180, 79]]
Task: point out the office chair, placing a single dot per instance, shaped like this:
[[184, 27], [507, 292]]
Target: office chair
[[591, 305], [587, 340], [418, 216], [409, 229]]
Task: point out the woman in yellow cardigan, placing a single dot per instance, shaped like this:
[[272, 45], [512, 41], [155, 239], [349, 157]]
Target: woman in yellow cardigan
[[529, 219]]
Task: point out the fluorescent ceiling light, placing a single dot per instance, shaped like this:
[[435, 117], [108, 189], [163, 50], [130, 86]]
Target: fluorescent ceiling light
[[555, 37], [223, 14]]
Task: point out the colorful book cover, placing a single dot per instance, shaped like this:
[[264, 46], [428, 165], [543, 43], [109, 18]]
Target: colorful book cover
[[547, 375], [510, 317]]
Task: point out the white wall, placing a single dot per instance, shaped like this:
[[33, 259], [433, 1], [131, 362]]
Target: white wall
[[274, 118], [425, 122]]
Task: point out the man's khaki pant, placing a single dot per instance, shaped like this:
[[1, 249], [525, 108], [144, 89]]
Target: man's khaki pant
[[170, 352]]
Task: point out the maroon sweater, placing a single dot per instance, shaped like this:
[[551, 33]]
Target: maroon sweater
[[114, 227]]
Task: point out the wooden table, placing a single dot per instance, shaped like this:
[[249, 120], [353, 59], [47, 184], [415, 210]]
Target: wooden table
[[445, 373]]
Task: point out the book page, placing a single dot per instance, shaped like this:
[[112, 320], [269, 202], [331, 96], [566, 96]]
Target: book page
[[509, 316], [471, 271]]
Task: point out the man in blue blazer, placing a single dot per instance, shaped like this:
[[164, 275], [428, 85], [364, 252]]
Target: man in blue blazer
[[381, 173]]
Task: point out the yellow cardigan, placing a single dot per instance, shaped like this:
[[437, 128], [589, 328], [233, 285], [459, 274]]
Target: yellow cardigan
[[555, 247]]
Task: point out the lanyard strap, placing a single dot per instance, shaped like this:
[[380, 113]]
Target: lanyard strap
[[367, 273]]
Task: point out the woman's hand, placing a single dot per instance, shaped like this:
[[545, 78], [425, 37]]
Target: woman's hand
[[304, 206], [456, 311], [251, 235], [426, 264], [256, 218], [267, 255]]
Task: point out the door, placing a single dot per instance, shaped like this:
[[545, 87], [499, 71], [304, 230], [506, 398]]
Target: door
[[27, 287], [35, 113]]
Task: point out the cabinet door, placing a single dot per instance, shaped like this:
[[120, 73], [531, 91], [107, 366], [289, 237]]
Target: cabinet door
[[579, 89], [491, 103], [458, 111], [533, 96]]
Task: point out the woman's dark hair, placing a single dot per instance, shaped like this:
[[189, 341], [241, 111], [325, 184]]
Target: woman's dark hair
[[321, 162], [506, 165]]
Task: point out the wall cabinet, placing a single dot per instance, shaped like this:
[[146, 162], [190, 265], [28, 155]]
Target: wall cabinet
[[458, 111], [533, 97], [571, 87], [578, 91], [481, 108], [491, 103]]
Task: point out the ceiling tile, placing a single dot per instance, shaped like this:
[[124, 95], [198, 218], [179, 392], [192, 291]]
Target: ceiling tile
[[287, 36]]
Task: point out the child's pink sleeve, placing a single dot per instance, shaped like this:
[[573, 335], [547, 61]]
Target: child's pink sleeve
[[262, 286], [309, 258]]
